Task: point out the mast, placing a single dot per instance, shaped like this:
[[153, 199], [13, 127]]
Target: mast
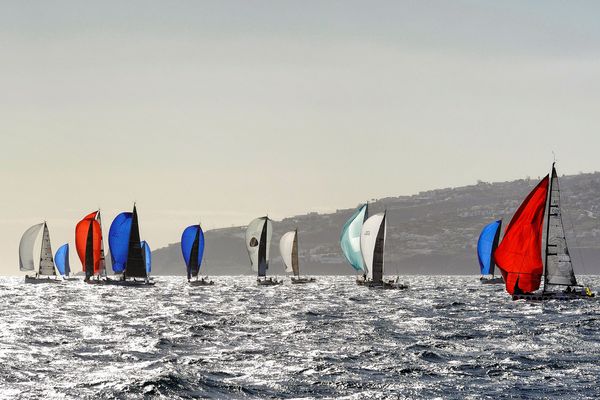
[[295, 266], [262, 250], [135, 266], [102, 266], [549, 213]]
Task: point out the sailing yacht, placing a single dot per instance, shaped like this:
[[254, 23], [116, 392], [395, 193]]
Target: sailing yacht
[[90, 249], [126, 251], [486, 245], [372, 245], [46, 271], [288, 247], [350, 242], [519, 255], [192, 248], [61, 259], [258, 242]]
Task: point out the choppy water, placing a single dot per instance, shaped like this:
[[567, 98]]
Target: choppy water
[[445, 337]]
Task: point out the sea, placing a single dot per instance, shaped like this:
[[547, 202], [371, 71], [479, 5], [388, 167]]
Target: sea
[[446, 337]]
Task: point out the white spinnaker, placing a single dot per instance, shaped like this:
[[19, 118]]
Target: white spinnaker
[[28, 239], [253, 232], [46, 258], [368, 238], [286, 246]]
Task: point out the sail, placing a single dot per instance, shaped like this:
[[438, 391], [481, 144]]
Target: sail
[[559, 268], [147, 253], [62, 260], [46, 259], [372, 244], [118, 241], [102, 263], [192, 248], [519, 256], [350, 239], [486, 245], [135, 266], [28, 239], [88, 242], [288, 247], [258, 241]]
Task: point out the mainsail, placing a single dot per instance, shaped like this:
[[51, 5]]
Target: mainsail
[[372, 244], [519, 256], [486, 245], [88, 242], [102, 264], [258, 241], [46, 259], [192, 247], [350, 239], [62, 260], [125, 246], [559, 268], [28, 239], [288, 247], [147, 253]]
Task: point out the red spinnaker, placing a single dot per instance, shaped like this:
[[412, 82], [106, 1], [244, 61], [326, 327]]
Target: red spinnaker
[[81, 236], [519, 256]]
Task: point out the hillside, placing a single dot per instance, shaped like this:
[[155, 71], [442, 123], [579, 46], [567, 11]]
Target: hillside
[[433, 232]]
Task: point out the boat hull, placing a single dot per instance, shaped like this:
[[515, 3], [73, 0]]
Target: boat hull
[[268, 282], [492, 281], [390, 284], [34, 280], [130, 283], [553, 296], [201, 283], [299, 281]]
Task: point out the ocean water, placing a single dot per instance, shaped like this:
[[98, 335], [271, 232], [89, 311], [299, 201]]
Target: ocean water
[[445, 337]]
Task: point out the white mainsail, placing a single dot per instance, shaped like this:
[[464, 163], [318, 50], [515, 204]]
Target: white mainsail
[[286, 247], [28, 239], [372, 242]]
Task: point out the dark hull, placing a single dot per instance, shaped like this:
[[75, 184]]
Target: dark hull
[[492, 281], [297, 281], [34, 280], [386, 285], [553, 296], [130, 283], [360, 281], [201, 283], [268, 282]]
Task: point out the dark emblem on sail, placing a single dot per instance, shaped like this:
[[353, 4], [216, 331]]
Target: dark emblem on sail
[[253, 242]]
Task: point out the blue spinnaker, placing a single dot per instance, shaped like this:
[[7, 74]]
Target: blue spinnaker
[[61, 259], [187, 243], [147, 256], [488, 241], [118, 241], [350, 239]]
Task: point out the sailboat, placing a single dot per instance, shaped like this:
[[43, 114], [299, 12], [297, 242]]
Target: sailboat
[[486, 245], [288, 247], [126, 250], [61, 259], [350, 242], [192, 248], [372, 244], [27, 255], [258, 242], [88, 242], [519, 255]]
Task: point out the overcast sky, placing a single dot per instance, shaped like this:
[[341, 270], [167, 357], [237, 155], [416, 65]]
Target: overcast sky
[[222, 111]]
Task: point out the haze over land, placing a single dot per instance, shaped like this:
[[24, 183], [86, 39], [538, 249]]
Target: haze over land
[[433, 232]]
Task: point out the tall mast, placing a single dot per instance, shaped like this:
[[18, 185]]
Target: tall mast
[[548, 226]]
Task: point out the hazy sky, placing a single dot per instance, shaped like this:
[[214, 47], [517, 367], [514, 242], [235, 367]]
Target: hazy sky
[[222, 111]]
